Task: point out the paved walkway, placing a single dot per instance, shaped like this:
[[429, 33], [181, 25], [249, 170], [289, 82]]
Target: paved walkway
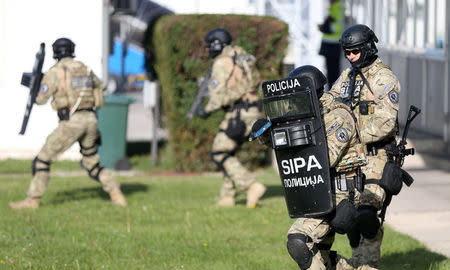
[[423, 210]]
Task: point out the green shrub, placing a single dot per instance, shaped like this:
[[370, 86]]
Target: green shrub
[[179, 47]]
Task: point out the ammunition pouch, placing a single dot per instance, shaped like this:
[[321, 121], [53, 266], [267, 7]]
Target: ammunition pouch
[[345, 217], [64, 114], [391, 181], [344, 183], [236, 127]]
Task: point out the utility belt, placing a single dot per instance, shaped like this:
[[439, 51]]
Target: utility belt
[[244, 105], [64, 113], [350, 181], [347, 182], [373, 148]]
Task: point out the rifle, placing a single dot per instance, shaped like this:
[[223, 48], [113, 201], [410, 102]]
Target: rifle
[[33, 81], [201, 94], [396, 154]]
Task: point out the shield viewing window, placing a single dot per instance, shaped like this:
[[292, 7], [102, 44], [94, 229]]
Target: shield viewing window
[[290, 106]]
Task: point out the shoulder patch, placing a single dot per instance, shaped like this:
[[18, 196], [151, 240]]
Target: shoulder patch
[[214, 83], [334, 126], [342, 135], [43, 89], [393, 96]]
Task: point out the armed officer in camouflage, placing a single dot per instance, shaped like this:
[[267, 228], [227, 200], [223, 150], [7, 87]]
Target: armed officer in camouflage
[[77, 92], [310, 239], [372, 92], [233, 87]]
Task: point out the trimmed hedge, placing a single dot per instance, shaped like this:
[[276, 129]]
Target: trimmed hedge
[[179, 47]]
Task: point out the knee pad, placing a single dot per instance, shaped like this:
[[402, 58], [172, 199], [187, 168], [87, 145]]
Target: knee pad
[[299, 251], [345, 217], [368, 222], [43, 165]]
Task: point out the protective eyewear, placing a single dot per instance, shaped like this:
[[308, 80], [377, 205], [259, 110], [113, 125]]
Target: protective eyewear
[[354, 51]]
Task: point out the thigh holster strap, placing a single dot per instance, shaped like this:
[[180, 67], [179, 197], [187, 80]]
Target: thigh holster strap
[[94, 172], [89, 151]]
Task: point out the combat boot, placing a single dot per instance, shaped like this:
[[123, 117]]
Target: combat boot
[[117, 197], [254, 193], [31, 203], [226, 201]]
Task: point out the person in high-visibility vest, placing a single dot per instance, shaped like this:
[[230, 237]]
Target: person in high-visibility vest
[[330, 48]]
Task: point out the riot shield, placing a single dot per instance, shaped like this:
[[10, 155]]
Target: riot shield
[[33, 81], [299, 140]]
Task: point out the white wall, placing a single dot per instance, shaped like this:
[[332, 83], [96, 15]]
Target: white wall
[[208, 6], [24, 24]]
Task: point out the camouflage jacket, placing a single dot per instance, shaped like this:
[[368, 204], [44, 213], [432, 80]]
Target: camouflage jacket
[[231, 80], [382, 98], [345, 151], [71, 84]]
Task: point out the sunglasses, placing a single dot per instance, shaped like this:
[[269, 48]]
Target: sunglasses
[[354, 51]]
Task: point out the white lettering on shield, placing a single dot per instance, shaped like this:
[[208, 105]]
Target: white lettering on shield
[[303, 181], [282, 85], [294, 165]]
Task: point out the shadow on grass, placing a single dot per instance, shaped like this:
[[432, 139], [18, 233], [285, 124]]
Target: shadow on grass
[[86, 193], [415, 259]]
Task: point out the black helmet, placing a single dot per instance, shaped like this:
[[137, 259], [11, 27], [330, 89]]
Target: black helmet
[[362, 37], [63, 47], [217, 39], [314, 74]]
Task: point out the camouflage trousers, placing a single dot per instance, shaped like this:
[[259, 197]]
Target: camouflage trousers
[[322, 234], [225, 147], [362, 254], [81, 127]]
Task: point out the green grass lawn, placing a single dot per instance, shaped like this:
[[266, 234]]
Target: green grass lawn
[[171, 223]]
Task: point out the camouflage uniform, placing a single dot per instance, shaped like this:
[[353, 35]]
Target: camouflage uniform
[[233, 86], [346, 154], [76, 92], [379, 125]]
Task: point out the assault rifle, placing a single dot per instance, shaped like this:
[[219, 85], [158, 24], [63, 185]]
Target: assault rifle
[[396, 154], [202, 93], [33, 81]]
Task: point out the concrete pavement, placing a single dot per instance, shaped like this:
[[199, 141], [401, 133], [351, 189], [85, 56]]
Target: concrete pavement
[[423, 210]]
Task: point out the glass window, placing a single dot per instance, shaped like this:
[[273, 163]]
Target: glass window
[[440, 24], [410, 23], [289, 107]]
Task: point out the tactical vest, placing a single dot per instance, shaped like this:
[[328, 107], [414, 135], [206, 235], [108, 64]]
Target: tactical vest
[[76, 87], [355, 156], [366, 96], [244, 72]]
